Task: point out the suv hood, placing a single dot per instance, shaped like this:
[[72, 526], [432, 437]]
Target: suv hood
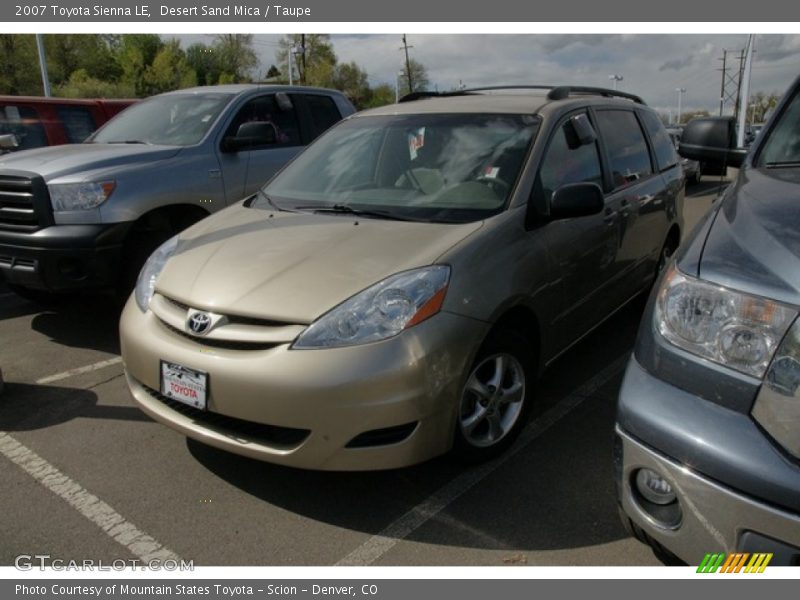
[[293, 267], [55, 161], [754, 243]]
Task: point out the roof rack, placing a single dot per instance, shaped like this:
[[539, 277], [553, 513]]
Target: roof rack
[[555, 92]]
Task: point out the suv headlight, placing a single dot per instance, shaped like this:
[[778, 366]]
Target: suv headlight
[[146, 282], [731, 328], [79, 196], [380, 311]]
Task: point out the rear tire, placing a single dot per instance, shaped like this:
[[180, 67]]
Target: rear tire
[[496, 397]]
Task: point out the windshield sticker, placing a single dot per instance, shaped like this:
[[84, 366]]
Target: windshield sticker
[[416, 140], [491, 172]]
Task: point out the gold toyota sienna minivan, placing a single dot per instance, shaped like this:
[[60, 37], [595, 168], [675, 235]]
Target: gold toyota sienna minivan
[[393, 293]]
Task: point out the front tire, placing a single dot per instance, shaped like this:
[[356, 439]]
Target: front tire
[[495, 398]]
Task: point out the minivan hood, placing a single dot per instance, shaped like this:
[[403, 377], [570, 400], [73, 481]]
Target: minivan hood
[[56, 161], [293, 267], [754, 243]]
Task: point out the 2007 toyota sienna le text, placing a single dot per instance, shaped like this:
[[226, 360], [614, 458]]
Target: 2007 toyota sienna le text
[[393, 293]]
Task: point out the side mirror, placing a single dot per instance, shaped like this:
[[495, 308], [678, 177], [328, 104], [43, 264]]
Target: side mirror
[[582, 129], [284, 102], [576, 200], [251, 135], [712, 140], [9, 141]]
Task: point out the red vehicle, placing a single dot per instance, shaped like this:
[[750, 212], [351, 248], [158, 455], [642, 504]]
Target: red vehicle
[[37, 121]]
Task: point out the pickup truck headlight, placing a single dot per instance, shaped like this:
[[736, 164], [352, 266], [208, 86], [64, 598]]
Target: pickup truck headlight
[[146, 283], [731, 328], [79, 196], [380, 311]]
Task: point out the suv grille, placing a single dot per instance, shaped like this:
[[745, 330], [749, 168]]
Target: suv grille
[[21, 202]]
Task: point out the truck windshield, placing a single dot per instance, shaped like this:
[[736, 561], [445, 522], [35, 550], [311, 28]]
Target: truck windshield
[[429, 167], [782, 147], [169, 120]]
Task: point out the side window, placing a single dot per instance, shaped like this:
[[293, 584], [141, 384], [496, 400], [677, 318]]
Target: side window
[[24, 122], [265, 109], [627, 149], [323, 111], [567, 161], [78, 122], [663, 144]]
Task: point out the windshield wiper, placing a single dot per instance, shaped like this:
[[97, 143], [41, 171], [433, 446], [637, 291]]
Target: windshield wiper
[[344, 209], [271, 202], [783, 164], [129, 142]]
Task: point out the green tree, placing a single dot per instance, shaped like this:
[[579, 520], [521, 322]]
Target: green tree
[[19, 72], [760, 104], [352, 80], [169, 70], [205, 62], [136, 53], [381, 95], [82, 85], [235, 55], [94, 54], [419, 76], [273, 72], [315, 60]]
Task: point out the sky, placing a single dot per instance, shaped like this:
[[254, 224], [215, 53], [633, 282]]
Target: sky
[[652, 65]]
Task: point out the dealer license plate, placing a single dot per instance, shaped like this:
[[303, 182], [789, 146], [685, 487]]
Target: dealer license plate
[[184, 384]]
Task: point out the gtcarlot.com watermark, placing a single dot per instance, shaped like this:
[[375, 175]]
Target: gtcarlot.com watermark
[[29, 562]]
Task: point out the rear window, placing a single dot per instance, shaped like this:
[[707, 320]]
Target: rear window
[[24, 122], [663, 145], [78, 122], [627, 149], [323, 111], [782, 148]]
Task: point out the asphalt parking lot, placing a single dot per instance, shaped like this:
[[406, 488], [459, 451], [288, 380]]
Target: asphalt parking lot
[[86, 475]]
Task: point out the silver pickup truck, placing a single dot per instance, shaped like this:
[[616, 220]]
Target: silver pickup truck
[[86, 216]]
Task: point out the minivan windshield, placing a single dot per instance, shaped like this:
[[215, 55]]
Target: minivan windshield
[[169, 120], [430, 167], [782, 147]]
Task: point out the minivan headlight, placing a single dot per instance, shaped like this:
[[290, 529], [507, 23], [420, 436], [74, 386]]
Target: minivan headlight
[[380, 311], [79, 196], [146, 282], [731, 328]]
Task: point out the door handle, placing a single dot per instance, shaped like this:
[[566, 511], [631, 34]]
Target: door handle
[[610, 216]]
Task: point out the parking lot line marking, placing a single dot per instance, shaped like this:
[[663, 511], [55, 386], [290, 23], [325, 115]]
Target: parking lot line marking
[[381, 543], [80, 370], [90, 506]]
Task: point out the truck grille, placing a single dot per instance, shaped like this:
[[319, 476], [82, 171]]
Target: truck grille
[[22, 203]]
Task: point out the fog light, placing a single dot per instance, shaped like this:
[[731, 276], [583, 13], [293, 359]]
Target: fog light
[[654, 488]]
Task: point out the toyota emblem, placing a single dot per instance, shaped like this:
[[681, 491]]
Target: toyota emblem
[[199, 323]]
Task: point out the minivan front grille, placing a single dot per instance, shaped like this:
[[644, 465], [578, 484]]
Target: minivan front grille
[[21, 199], [284, 438]]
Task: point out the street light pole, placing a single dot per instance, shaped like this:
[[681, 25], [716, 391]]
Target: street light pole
[[615, 78], [681, 91]]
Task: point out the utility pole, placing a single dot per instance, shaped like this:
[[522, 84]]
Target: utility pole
[[43, 65], [724, 71], [408, 65], [739, 85], [744, 90], [303, 46]]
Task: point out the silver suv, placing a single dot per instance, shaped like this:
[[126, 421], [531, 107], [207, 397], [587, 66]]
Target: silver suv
[[394, 292]]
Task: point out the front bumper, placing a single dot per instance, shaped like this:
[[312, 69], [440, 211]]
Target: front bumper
[[333, 395], [63, 257], [684, 438]]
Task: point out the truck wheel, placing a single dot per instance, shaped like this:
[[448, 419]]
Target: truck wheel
[[496, 397]]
